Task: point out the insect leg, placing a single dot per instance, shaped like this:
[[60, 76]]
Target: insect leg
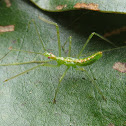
[[70, 43], [22, 73], [10, 50], [50, 65], [37, 32], [57, 89], [114, 49], [57, 29], [91, 73], [26, 51], [12, 64], [93, 82], [90, 37]]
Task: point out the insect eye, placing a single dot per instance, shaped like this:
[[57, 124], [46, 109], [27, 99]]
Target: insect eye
[[48, 57]]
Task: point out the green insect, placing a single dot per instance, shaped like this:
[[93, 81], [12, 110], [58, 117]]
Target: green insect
[[67, 61]]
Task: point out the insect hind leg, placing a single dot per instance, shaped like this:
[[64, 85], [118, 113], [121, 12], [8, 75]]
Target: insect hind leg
[[93, 82], [90, 37]]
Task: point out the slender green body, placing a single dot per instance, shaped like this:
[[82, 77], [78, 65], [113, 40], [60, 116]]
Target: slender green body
[[69, 61]]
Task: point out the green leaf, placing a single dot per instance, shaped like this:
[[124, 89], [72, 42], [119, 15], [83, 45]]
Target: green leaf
[[27, 100], [115, 6]]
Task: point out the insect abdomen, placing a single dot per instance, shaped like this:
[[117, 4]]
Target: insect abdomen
[[89, 60]]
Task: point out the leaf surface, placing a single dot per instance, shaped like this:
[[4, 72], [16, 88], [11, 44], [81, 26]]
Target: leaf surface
[[112, 6], [27, 100]]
